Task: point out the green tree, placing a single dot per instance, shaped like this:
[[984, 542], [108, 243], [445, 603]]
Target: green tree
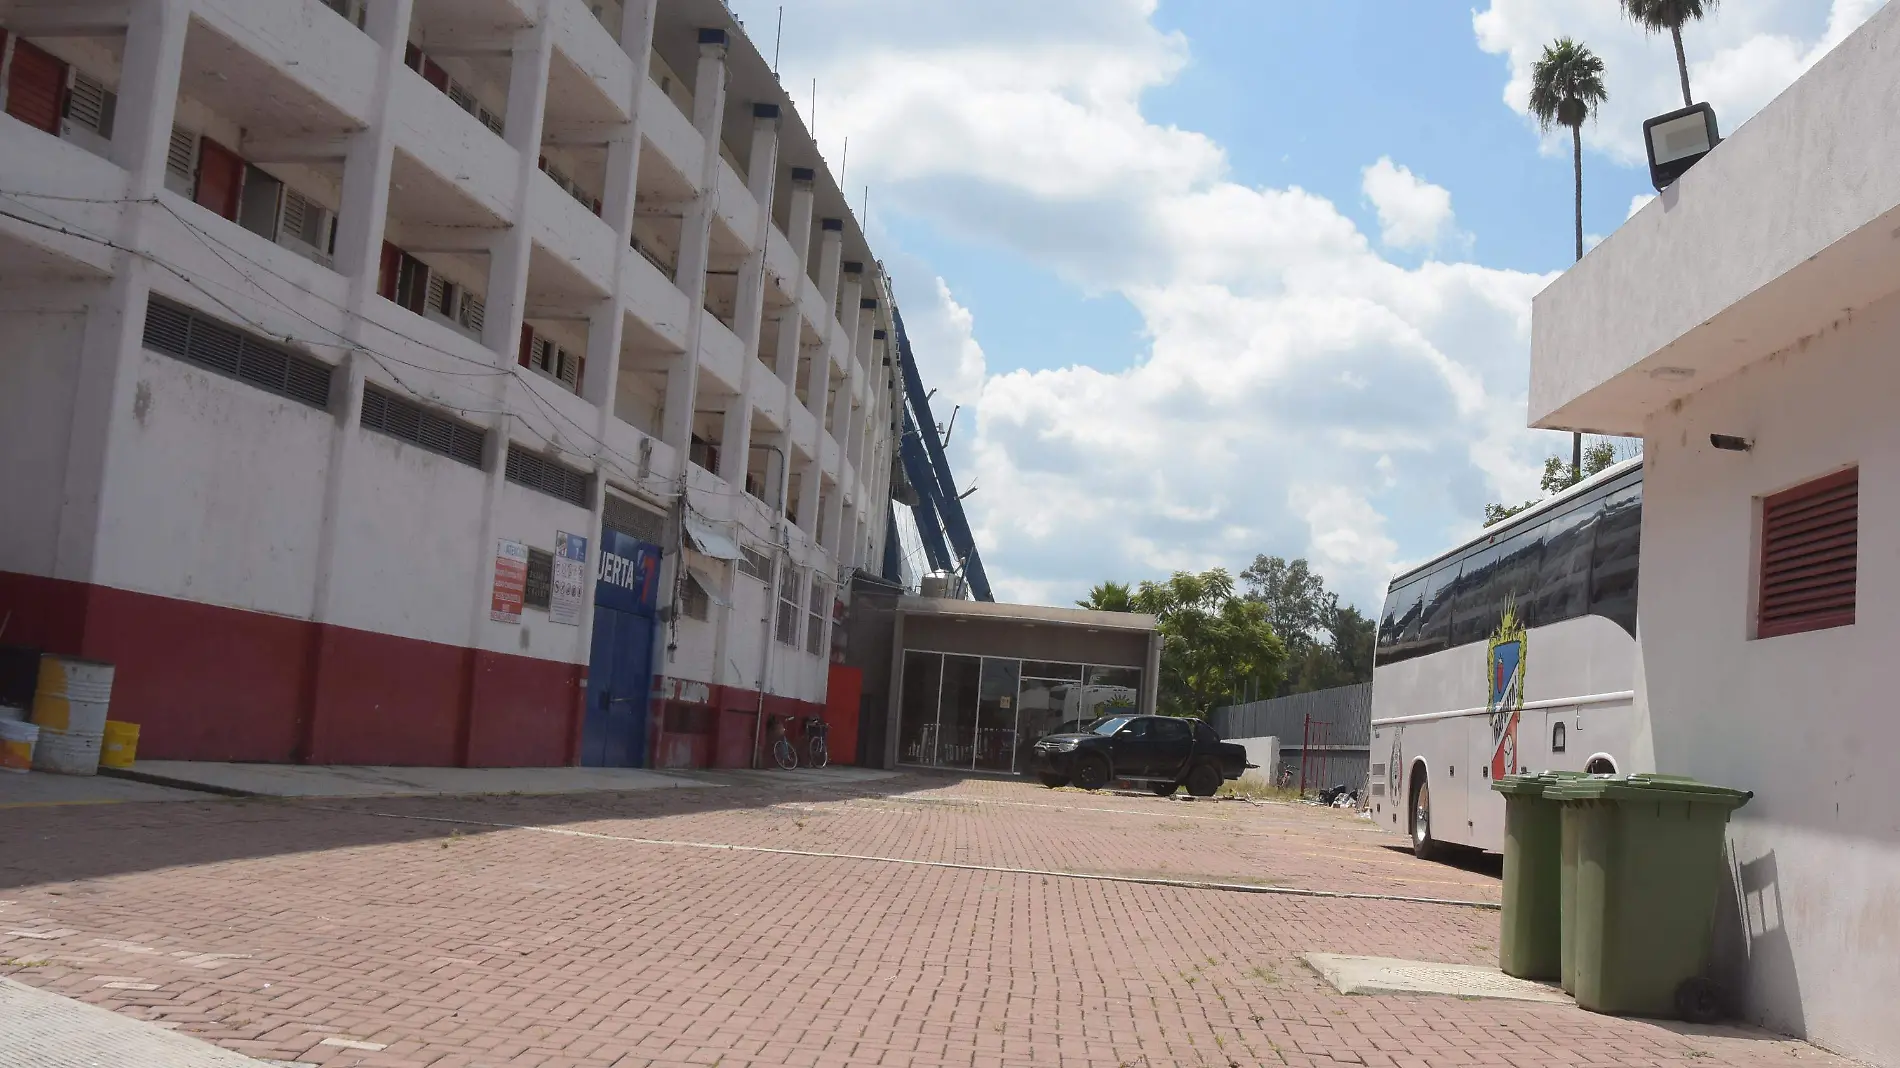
[[1328, 644], [1109, 597], [1558, 477], [1655, 16], [1214, 643], [1566, 89]]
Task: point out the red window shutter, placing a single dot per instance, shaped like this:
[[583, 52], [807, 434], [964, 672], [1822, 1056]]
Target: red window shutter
[[1810, 547], [433, 73], [388, 271], [527, 344], [412, 58], [220, 178], [36, 87]]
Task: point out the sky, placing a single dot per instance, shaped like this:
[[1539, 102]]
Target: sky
[[1210, 279]]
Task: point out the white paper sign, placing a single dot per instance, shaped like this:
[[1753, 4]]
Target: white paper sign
[[569, 580]]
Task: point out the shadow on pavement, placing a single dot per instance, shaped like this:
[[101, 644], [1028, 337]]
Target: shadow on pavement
[[1475, 861], [66, 844]]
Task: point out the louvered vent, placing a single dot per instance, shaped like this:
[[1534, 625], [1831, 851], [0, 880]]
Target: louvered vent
[[181, 332], [1810, 545], [551, 477], [181, 160], [91, 105], [628, 518], [386, 413]]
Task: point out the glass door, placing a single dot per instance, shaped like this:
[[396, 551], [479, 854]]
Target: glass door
[[956, 711], [996, 715], [917, 722]]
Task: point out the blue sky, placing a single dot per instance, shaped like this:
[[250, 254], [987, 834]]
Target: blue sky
[[1223, 277]]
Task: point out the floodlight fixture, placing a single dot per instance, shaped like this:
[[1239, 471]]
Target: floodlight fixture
[[1677, 141]]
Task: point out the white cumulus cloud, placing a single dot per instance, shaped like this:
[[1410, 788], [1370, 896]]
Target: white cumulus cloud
[[1300, 393], [1740, 57], [1413, 213]]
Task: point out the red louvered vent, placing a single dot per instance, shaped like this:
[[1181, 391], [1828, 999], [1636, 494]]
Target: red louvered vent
[[1810, 542]]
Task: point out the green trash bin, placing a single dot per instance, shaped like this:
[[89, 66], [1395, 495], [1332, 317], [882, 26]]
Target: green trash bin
[[1530, 944], [1643, 866]]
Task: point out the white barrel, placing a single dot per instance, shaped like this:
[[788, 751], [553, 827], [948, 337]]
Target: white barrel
[[64, 753], [74, 695]]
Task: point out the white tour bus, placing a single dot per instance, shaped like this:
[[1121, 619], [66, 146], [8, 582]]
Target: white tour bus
[[1515, 651]]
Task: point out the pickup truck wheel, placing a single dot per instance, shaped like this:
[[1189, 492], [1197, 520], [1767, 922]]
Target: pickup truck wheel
[[1204, 780], [1091, 773], [1164, 789], [1054, 782]]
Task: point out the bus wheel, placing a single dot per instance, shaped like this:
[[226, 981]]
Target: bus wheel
[[1424, 846]]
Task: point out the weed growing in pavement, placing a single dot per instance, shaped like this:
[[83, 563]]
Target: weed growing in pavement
[[1264, 974], [17, 962], [1255, 790]]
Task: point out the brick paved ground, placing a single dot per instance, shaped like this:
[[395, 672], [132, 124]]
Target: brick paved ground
[[370, 933]]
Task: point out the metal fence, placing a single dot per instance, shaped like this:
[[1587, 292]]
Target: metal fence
[[1340, 719]]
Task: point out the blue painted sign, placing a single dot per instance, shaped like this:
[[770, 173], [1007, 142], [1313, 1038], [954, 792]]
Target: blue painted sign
[[629, 574]]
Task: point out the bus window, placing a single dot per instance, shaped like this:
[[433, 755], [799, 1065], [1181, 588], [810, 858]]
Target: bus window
[[1434, 632], [1613, 561], [1518, 562], [1563, 582], [1477, 601], [1401, 612]]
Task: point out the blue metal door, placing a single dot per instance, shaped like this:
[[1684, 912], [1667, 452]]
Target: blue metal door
[[620, 665]]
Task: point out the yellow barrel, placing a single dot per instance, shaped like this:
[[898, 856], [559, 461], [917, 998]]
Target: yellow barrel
[[121, 745], [69, 707], [73, 695]]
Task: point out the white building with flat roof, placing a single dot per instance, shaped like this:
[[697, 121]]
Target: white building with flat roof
[[473, 382], [1746, 325]]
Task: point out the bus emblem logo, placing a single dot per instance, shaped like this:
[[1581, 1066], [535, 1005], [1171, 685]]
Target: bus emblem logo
[[1505, 690]]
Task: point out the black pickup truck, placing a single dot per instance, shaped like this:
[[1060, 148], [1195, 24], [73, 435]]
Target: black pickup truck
[[1160, 752]]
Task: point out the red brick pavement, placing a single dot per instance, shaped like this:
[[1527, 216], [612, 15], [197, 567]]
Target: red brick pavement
[[271, 927]]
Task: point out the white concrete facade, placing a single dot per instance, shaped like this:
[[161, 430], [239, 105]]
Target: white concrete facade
[[1760, 298], [597, 232]]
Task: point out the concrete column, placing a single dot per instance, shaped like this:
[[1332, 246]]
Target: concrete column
[[735, 437], [709, 108], [361, 224], [533, 54], [115, 320], [790, 330], [853, 293]]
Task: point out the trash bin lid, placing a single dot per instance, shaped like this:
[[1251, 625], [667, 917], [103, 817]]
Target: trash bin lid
[[1647, 787], [1532, 784]]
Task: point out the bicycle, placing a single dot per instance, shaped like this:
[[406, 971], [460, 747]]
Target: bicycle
[[782, 750], [817, 752]]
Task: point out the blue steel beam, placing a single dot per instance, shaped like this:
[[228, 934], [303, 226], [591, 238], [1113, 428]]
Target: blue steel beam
[[948, 507], [917, 468]]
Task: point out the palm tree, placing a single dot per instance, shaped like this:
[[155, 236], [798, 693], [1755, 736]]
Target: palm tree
[[1567, 88], [1656, 16]]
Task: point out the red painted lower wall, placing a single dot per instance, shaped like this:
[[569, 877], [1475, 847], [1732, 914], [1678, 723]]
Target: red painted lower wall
[[732, 719], [841, 713], [211, 683]]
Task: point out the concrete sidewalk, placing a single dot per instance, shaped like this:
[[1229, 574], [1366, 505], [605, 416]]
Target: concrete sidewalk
[[48, 1031], [40, 789]]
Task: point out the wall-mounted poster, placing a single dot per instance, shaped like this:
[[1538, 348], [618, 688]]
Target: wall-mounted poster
[[511, 581], [570, 576]]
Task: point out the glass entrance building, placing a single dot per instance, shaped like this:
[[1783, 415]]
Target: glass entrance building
[[974, 685]]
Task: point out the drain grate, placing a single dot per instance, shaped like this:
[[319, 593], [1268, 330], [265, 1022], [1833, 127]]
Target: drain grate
[[1382, 975]]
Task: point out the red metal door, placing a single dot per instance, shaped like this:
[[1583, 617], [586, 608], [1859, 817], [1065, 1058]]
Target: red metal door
[[841, 713], [220, 179], [36, 87]]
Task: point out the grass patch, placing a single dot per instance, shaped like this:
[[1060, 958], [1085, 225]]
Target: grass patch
[[1254, 790]]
